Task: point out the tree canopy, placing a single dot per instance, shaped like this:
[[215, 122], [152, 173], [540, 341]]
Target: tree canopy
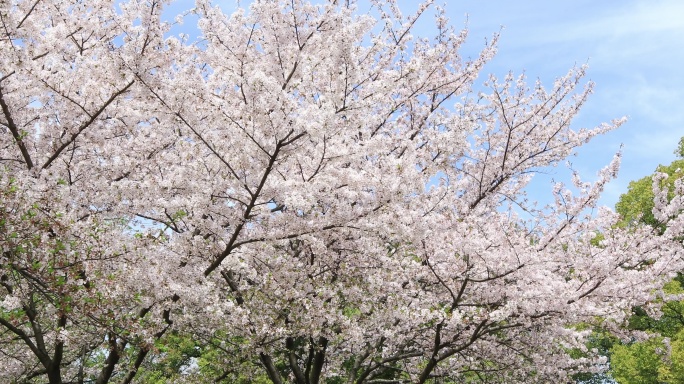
[[305, 194], [659, 358], [636, 205]]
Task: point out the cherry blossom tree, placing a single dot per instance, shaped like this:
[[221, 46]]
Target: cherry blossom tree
[[311, 194], [71, 116]]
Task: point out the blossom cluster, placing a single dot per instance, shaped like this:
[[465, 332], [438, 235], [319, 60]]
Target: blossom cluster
[[306, 192]]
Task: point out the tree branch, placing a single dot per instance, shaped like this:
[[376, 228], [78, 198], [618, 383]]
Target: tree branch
[[270, 368], [86, 124], [15, 131]]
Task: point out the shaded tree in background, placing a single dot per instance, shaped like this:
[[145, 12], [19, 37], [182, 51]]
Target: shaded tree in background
[[659, 359], [636, 205]]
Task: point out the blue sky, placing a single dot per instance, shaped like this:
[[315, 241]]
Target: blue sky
[[635, 52]]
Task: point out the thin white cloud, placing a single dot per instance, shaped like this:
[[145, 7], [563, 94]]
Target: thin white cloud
[[602, 21]]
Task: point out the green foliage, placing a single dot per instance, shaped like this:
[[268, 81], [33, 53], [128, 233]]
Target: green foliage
[[680, 148], [661, 358], [636, 206], [637, 363], [670, 323], [673, 369], [596, 240], [179, 357], [174, 356], [654, 361]]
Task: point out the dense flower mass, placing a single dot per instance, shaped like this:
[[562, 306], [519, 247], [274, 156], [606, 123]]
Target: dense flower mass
[[305, 194]]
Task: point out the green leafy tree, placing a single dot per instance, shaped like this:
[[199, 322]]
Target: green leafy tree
[[680, 148], [638, 362], [636, 206], [673, 370], [659, 359]]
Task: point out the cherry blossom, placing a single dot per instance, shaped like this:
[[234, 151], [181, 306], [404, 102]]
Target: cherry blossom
[[317, 193]]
